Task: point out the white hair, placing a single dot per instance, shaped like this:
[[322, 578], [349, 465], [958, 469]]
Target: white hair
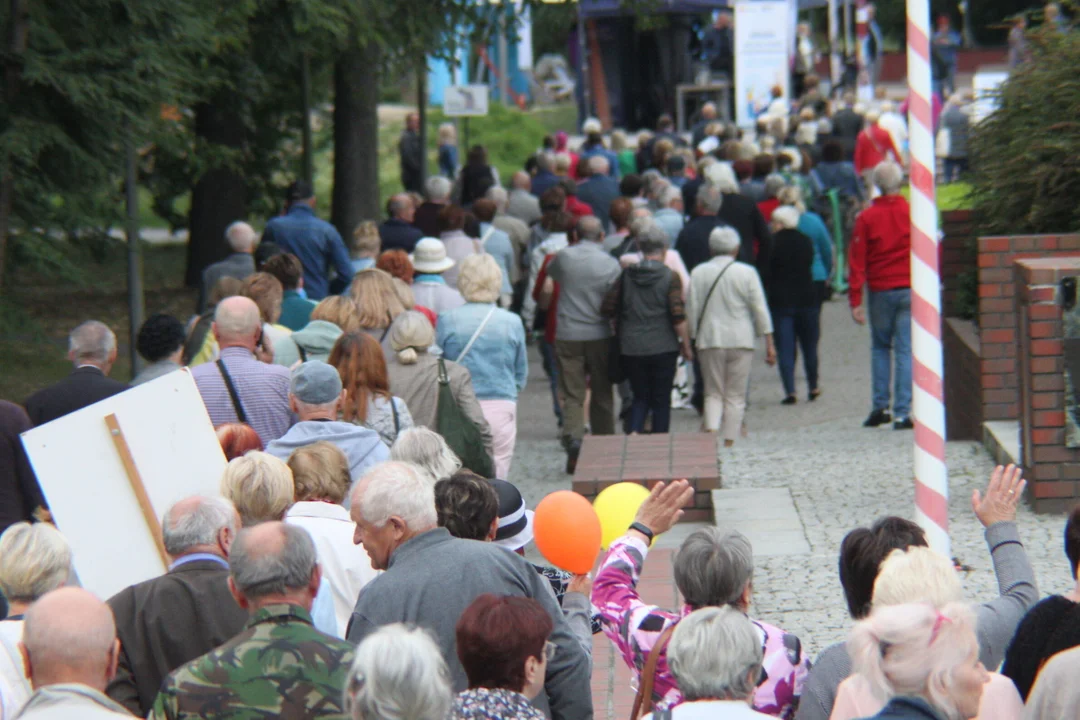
[[872, 116], [91, 342], [670, 195], [715, 653], [599, 165], [34, 559], [437, 188], [786, 217], [480, 279], [410, 334], [240, 236], [398, 674], [724, 240], [237, 317], [183, 528], [887, 106], [710, 199], [888, 176], [426, 449], [499, 196], [917, 574], [722, 175], [397, 489]]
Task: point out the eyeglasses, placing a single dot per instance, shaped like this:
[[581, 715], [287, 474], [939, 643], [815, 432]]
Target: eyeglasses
[[549, 650]]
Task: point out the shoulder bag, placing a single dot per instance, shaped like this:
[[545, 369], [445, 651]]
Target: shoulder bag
[[643, 701], [459, 431], [708, 296], [233, 395], [468, 345]]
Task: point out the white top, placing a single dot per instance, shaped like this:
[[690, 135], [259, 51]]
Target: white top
[[715, 710], [1056, 693], [14, 687], [347, 567], [736, 314]]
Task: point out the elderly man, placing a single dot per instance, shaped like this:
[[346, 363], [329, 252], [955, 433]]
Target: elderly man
[[545, 177], [599, 190], [315, 394], [241, 239], [583, 336], [397, 232], [170, 620], [669, 217], [411, 154], [92, 349], [436, 197], [522, 204], [693, 240], [242, 386], [279, 665], [515, 229], [431, 577], [879, 256], [312, 239], [70, 650], [708, 117]]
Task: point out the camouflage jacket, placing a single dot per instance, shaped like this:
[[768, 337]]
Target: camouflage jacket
[[278, 666]]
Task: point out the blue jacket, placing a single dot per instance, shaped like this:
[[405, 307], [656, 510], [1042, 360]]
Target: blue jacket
[[397, 234], [597, 192], [613, 159], [812, 226], [316, 243], [498, 246], [908, 708], [497, 360], [542, 181]]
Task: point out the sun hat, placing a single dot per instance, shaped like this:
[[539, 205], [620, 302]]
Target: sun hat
[[515, 529], [315, 383], [429, 256]]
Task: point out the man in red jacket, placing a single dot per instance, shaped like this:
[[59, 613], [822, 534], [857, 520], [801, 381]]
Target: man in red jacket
[[880, 256], [873, 145]]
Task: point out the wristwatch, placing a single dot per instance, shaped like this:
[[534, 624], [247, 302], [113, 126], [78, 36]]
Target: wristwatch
[[643, 529]]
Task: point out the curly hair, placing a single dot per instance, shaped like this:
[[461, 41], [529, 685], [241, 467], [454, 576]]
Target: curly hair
[[159, 337], [397, 263], [466, 505], [361, 364]]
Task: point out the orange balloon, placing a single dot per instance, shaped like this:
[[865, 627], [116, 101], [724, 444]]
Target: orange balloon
[[567, 531]]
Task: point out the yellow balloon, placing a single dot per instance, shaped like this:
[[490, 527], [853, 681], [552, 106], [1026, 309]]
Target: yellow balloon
[[616, 507]]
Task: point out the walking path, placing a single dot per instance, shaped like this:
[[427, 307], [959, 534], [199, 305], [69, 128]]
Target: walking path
[[807, 475]]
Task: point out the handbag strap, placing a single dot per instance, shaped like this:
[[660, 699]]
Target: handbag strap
[[486, 235], [397, 423], [237, 405], [302, 351], [705, 305], [468, 346], [444, 378], [643, 701]]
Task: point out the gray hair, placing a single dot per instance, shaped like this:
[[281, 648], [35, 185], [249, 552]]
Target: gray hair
[[709, 199], [410, 334], [426, 449], [240, 236], [723, 177], [261, 568], [786, 216], [398, 204], [237, 317], [715, 653], [599, 165], [397, 489], [34, 559], [398, 674], [183, 528], [639, 226], [590, 228], [888, 176], [670, 195], [437, 188], [713, 567], [774, 183], [499, 196], [91, 342], [653, 242], [724, 240], [545, 161]]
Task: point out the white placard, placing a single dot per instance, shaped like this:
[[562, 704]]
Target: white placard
[[763, 33], [465, 101], [985, 84], [174, 447]]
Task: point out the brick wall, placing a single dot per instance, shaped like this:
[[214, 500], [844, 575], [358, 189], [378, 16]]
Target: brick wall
[[963, 406], [957, 257], [1053, 470], [998, 315]]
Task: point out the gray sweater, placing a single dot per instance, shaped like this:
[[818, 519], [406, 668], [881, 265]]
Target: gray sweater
[[433, 577], [996, 622]]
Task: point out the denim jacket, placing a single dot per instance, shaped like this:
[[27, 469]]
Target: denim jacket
[[497, 360]]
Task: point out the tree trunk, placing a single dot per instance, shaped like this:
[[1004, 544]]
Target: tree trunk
[[219, 198], [16, 46], [356, 139]]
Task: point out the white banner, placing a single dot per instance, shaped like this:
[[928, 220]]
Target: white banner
[[763, 40], [465, 101]]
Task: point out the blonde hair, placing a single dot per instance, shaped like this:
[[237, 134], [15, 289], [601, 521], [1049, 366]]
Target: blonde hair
[[376, 299], [562, 163], [447, 134], [410, 335], [480, 279], [34, 559], [792, 196], [917, 574], [404, 293], [340, 311], [320, 472], [260, 486], [365, 240], [619, 140]]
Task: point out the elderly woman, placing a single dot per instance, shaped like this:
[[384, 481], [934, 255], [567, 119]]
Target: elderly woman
[[502, 642], [920, 575], [794, 302], [426, 449], [333, 316], [774, 183], [727, 311], [237, 439], [260, 486], [715, 655], [34, 559], [414, 375], [489, 342], [646, 304], [362, 366], [429, 285], [924, 661], [812, 226], [321, 478], [377, 303], [742, 213], [712, 568], [399, 673]]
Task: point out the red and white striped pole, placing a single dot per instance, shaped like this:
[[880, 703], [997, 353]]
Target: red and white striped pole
[[931, 474]]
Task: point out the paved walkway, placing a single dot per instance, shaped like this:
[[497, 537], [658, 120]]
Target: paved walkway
[[832, 474]]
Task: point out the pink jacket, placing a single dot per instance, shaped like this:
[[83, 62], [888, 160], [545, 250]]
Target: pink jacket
[[1000, 700]]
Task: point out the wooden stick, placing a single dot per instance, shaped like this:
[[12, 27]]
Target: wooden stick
[[137, 484]]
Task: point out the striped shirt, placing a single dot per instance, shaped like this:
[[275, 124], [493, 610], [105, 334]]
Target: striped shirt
[[263, 390]]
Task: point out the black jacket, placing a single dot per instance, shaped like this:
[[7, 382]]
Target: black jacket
[[399, 235], [166, 622], [846, 126], [1050, 627], [19, 490], [426, 219], [792, 282], [741, 213], [693, 242], [85, 386], [412, 156]]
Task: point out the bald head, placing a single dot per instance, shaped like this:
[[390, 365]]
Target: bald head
[[241, 237], [237, 322], [69, 636], [273, 562], [708, 111], [521, 180], [401, 207]]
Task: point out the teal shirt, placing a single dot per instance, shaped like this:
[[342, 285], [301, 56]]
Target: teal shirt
[[812, 226], [295, 310]]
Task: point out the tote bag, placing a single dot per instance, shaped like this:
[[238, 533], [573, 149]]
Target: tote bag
[[460, 433]]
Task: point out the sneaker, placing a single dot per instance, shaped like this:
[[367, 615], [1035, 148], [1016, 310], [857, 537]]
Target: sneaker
[[789, 400], [573, 450], [903, 424], [878, 417]]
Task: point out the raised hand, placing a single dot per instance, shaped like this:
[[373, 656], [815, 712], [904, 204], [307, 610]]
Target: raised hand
[[1002, 496]]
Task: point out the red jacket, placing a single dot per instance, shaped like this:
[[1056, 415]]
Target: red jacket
[[880, 252], [766, 207], [577, 208], [873, 145], [552, 311]]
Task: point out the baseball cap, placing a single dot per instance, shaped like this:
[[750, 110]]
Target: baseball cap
[[315, 383], [515, 529]]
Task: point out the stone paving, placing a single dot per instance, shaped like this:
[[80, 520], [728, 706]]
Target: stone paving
[[839, 474]]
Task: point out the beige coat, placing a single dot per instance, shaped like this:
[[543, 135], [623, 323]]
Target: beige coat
[[737, 313]]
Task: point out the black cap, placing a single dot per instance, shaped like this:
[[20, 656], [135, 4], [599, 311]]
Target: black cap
[[299, 190]]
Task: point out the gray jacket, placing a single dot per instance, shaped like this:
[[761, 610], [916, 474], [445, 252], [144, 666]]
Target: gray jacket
[[64, 701], [433, 577], [523, 205], [585, 273], [958, 123], [996, 622], [237, 265]]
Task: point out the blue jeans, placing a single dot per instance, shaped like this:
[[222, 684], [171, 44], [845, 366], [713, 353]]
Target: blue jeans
[[801, 327], [651, 378], [551, 368], [890, 335]]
